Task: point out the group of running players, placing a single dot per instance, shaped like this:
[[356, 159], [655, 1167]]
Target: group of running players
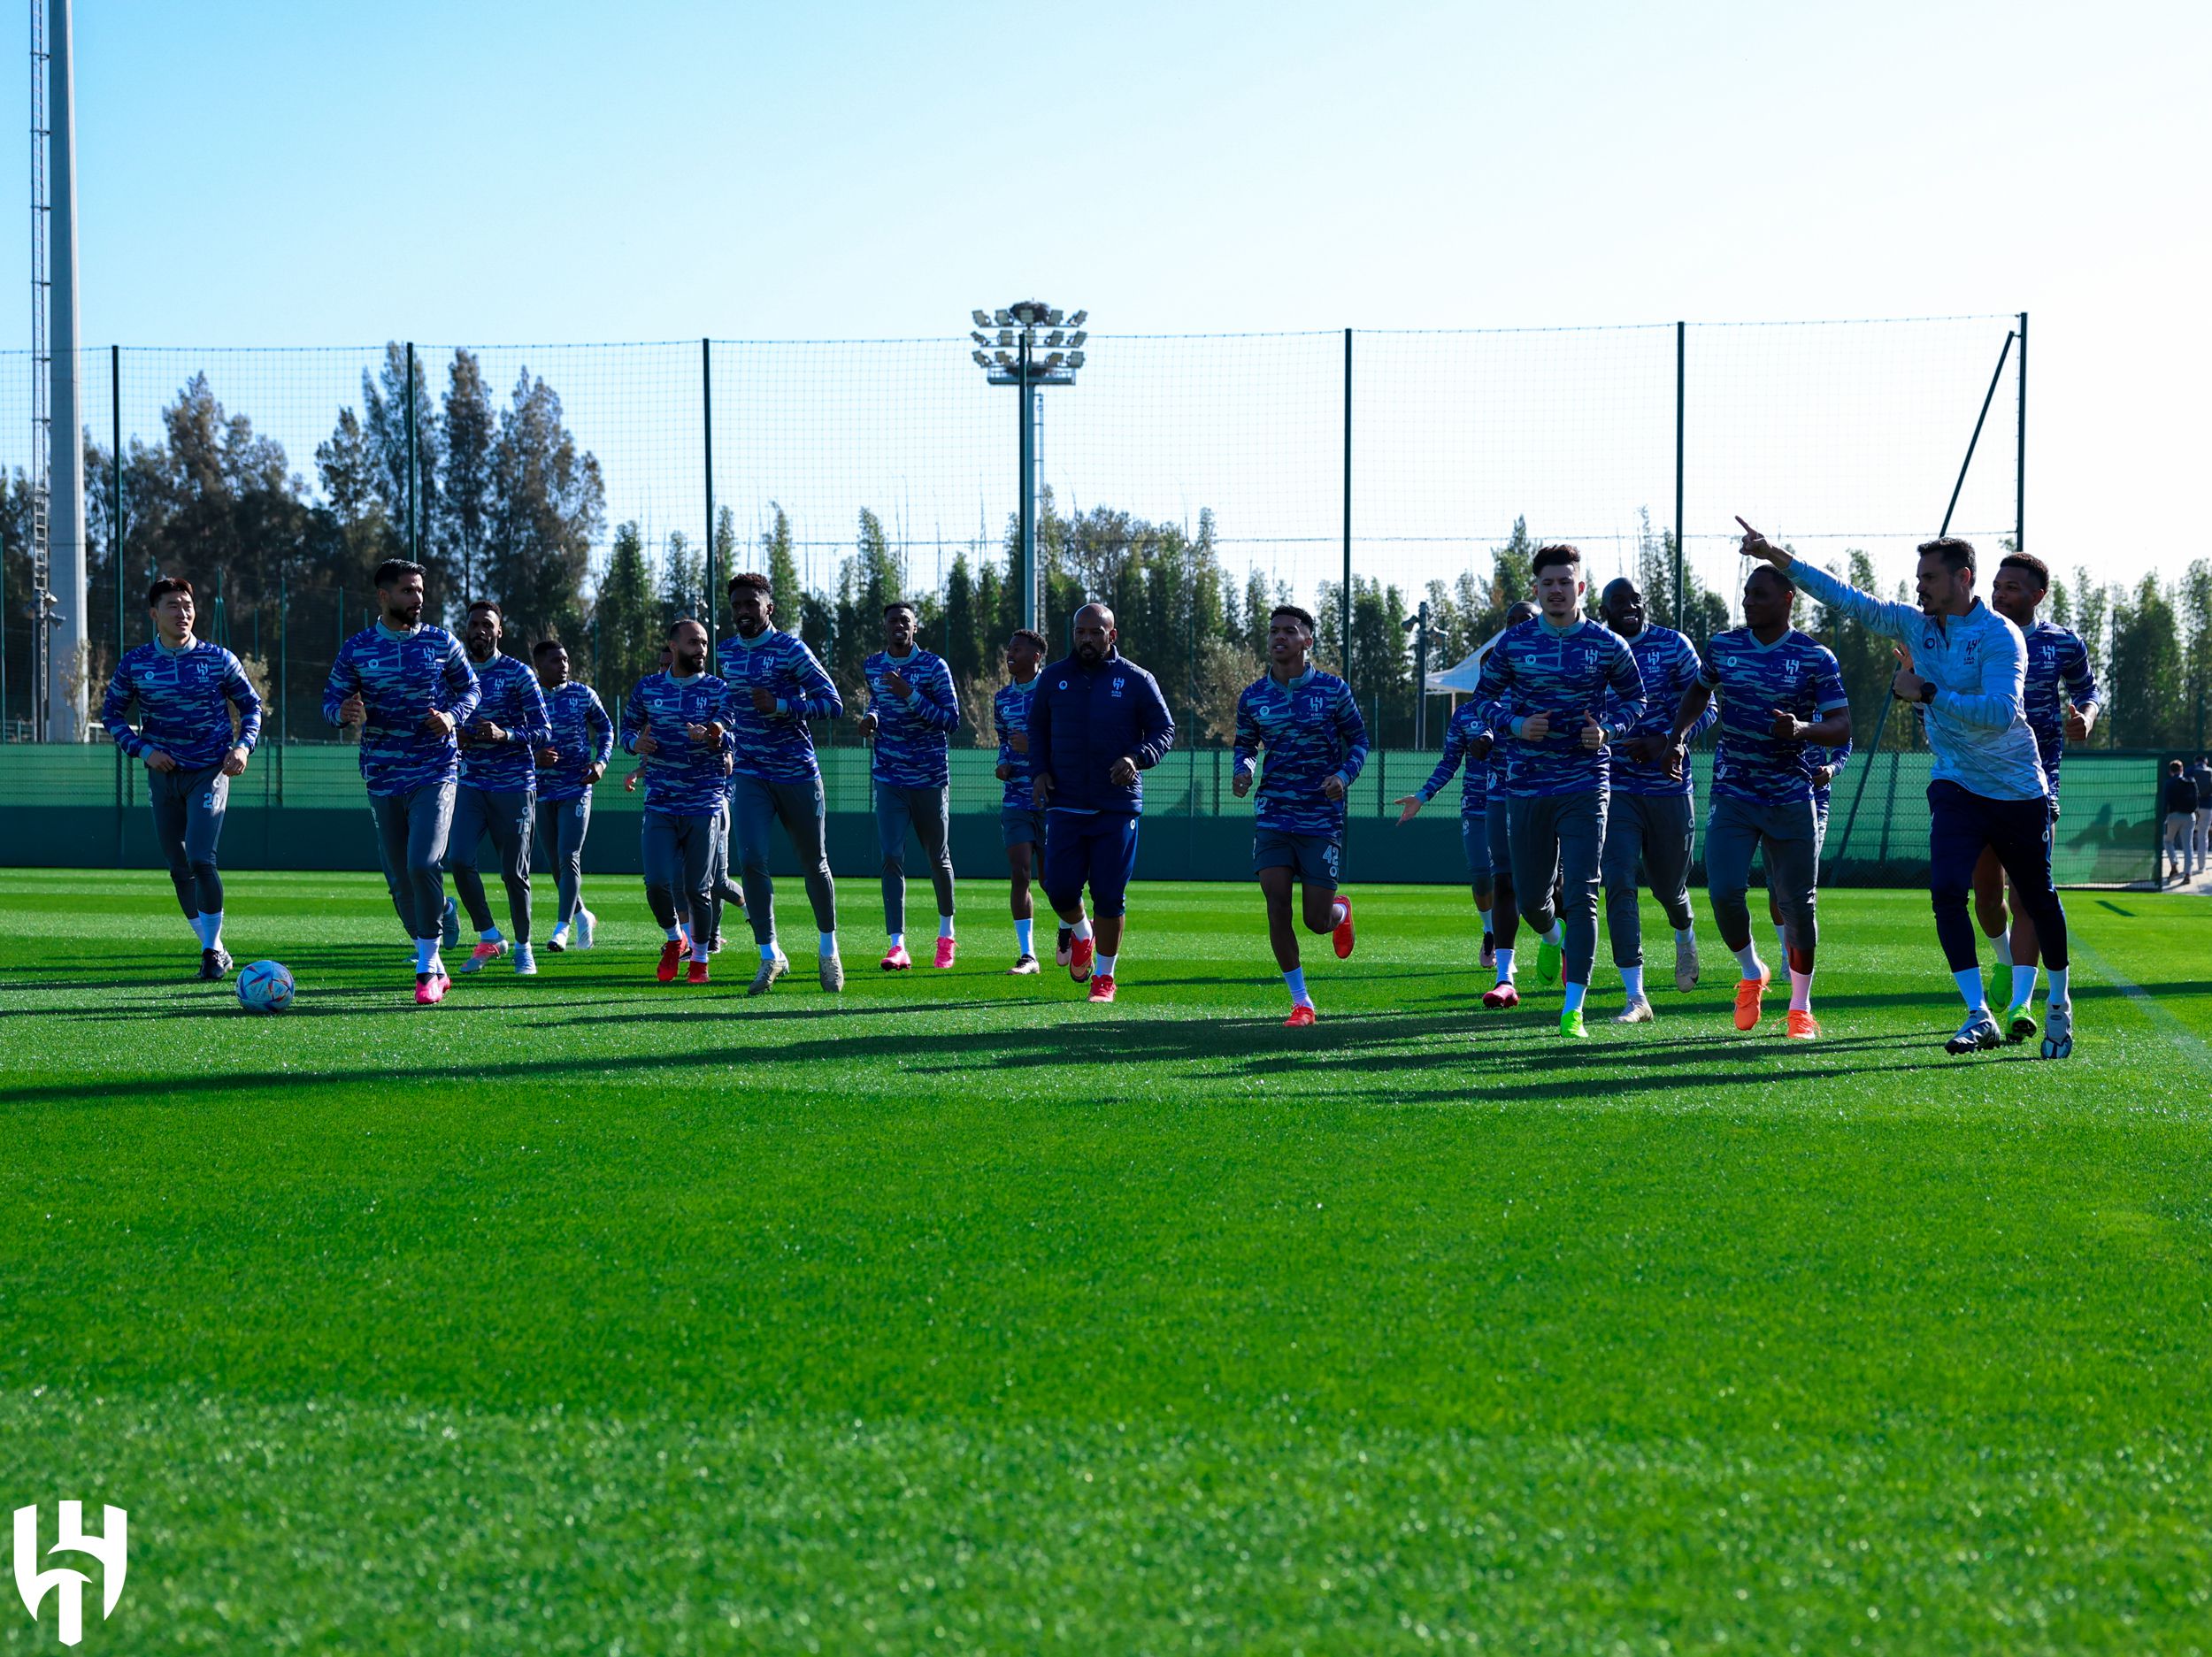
[[1573, 747]]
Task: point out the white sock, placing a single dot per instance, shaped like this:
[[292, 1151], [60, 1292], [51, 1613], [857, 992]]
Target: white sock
[[1337, 913], [2059, 997], [1747, 958], [1505, 966], [1800, 991], [2002, 944], [1486, 933], [1782, 942], [1632, 982], [1685, 934], [768, 951], [1083, 927], [212, 937], [699, 948], [1969, 983], [1105, 968], [672, 933], [829, 943], [1571, 994], [898, 941], [1024, 933], [425, 953], [1556, 936], [489, 935], [2022, 986], [1296, 979], [944, 925], [193, 921]]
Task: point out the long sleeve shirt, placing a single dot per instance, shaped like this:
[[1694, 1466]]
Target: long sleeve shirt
[[1468, 725], [512, 700], [403, 677], [1582, 670], [1796, 675], [1977, 725], [2181, 795], [682, 777], [580, 735], [1083, 719], [1312, 731], [184, 699], [1835, 759], [1009, 717], [913, 732], [2057, 660], [1667, 663], [775, 746]]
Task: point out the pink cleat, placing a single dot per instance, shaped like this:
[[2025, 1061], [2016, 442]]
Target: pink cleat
[[895, 959], [1340, 938], [1102, 987], [485, 952], [1079, 953], [945, 951], [430, 988]]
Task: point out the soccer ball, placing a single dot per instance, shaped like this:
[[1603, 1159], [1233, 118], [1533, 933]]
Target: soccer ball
[[266, 987]]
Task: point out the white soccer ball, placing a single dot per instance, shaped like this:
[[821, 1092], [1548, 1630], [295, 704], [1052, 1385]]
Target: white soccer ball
[[266, 987]]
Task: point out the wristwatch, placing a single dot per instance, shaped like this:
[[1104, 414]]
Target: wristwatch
[[1927, 693]]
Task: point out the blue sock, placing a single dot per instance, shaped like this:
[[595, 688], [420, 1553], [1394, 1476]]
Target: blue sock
[[1969, 983], [1572, 1002], [1296, 979]]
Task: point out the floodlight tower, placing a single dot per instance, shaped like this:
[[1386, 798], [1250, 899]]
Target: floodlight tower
[[1025, 345]]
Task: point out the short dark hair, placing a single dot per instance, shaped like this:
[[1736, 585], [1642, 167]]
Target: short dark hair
[[2032, 564], [1304, 620], [392, 572], [1777, 572], [485, 604], [167, 585], [684, 621], [1956, 555], [898, 604], [750, 582], [1559, 552], [544, 645], [1028, 636]]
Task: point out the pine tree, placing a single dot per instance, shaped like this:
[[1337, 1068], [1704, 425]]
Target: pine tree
[[466, 491], [624, 616]]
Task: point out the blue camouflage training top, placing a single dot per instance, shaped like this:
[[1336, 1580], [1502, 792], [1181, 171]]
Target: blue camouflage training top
[[1312, 731], [1009, 715], [1668, 664], [512, 700], [1585, 670], [2056, 657], [1467, 727], [403, 677], [1795, 675], [682, 777], [184, 699], [582, 736], [776, 746], [914, 731], [1835, 759]]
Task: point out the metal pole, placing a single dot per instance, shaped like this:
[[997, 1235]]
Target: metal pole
[[69, 656], [1681, 598], [1987, 398], [2020, 457], [284, 673], [1421, 677], [1346, 665], [115, 550], [706, 411], [413, 551], [1028, 492]]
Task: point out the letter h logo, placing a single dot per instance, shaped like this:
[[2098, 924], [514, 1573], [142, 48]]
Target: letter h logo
[[111, 1548]]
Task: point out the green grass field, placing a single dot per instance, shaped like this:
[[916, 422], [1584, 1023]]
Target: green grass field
[[585, 1314]]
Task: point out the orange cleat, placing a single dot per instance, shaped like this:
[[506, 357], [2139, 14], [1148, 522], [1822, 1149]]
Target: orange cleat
[[672, 954], [945, 951], [1802, 1025], [1502, 997], [1079, 955], [895, 959], [1748, 994], [1102, 987], [1341, 937], [1301, 1016], [697, 973]]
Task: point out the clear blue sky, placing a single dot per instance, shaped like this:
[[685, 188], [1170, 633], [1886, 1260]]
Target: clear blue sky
[[265, 175]]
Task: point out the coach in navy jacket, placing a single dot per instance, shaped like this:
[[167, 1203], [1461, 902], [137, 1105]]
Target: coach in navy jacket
[[1097, 722]]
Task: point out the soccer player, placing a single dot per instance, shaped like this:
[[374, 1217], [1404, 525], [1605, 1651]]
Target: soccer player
[[1309, 725], [582, 743], [1966, 664], [1771, 678], [185, 689], [1546, 682], [1021, 824], [676, 720], [776, 686], [1650, 813], [410, 688], [1096, 724], [911, 712], [1466, 740], [498, 794], [2058, 673]]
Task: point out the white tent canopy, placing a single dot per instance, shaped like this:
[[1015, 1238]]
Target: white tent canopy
[[1460, 678]]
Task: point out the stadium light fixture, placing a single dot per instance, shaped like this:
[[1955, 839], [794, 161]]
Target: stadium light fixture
[[1029, 356]]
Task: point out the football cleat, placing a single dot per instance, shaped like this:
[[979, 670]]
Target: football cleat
[[833, 974], [525, 963], [1079, 955], [770, 970], [449, 926], [1301, 1016], [587, 924], [1501, 996], [2019, 1023], [714, 944], [1023, 968], [1636, 1012], [213, 963], [1102, 987], [558, 942], [2058, 1032], [1978, 1034], [484, 954], [1548, 963], [430, 987], [945, 950], [1570, 1024], [1063, 952], [1802, 1026], [673, 954], [695, 973], [895, 959], [1686, 963], [1341, 935], [1489, 952], [1749, 992]]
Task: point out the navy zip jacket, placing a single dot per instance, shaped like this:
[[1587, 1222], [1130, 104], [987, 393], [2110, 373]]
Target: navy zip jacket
[[1083, 719]]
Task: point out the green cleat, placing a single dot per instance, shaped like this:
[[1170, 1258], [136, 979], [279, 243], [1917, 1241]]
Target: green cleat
[[2020, 1024], [1570, 1024], [1548, 963]]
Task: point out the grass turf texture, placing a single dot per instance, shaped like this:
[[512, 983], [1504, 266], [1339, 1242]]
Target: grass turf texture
[[585, 1313]]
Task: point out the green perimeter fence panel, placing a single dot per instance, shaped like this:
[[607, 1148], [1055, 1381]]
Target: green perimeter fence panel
[[301, 806]]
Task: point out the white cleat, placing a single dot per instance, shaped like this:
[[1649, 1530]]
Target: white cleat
[[1978, 1034], [1026, 967], [770, 970], [1686, 963], [525, 963], [1636, 1012], [586, 922], [833, 974], [2058, 1032]]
